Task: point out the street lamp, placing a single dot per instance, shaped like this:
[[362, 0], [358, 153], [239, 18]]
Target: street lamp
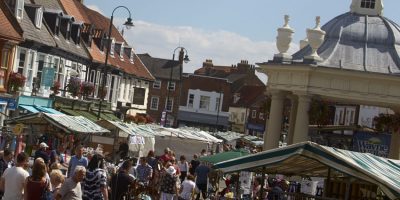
[[128, 25], [183, 57]]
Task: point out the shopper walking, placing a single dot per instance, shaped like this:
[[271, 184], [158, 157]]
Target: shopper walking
[[13, 179], [95, 182], [37, 184], [169, 189], [122, 182], [77, 160], [183, 167], [71, 189]]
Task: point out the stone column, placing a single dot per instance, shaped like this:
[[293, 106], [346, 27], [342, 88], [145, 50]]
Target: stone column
[[292, 119], [302, 119], [274, 128]]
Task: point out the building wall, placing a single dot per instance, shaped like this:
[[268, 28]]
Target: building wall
[[237, 118]]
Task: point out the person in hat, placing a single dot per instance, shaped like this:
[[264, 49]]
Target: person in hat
[[168, 187], [41, 153]]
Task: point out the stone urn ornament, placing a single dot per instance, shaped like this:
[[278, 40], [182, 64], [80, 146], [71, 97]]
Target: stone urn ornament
[[283, 40], [316, 37]]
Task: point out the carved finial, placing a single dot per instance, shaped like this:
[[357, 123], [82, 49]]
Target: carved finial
[[318, 22], [287, 19]]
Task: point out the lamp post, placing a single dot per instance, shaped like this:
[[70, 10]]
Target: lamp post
[[183, 57], [128, 25]]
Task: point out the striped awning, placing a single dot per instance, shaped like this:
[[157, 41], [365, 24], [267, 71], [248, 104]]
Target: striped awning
[[311, 159]]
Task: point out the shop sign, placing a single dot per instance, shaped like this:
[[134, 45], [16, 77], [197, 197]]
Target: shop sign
[[11, 103], [17, 130], [48, 76], [373, 143]]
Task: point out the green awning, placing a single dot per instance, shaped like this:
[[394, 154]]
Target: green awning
[[220, 157], [311, 159]]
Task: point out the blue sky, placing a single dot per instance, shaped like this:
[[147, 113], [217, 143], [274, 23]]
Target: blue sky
[[225, 31]]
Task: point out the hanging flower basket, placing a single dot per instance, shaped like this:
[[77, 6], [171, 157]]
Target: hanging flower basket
[[87, 88], [56, 87], [15, 82], [74, 86]]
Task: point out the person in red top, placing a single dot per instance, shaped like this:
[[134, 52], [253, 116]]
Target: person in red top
[[166, 156], [36, 184]]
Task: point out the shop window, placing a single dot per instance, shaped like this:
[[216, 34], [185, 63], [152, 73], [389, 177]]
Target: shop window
[[253, 114], [154, 103], [157, 84], [139, 96], [370, 4]]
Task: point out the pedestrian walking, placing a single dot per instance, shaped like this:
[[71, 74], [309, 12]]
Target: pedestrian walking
[[187, 188], [56, 180], [77, 160], [183, 168], [37, 184], [201, 173], [122, 182], [41, 153], [169, 188], [194, 163], [71, 189], [4, 161], [13, 179], [144, 172], [95, 182]]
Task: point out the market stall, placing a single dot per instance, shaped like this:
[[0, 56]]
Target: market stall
[[312, 160], [140, 141], [59, 131]]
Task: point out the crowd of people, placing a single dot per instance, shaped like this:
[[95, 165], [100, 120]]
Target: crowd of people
[[50, 176]]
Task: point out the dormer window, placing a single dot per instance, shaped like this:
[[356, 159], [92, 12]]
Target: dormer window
[[131, 58], [39, 17], [112, 47], [19, 9], [78, 36], [121, 51], [368, 4], [68, 32]]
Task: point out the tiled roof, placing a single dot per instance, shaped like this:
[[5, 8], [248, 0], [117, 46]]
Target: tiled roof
[[63, 43], [161, 68], [88, 16], [219, 71], [32, 33], [249, 95], [10, 28]]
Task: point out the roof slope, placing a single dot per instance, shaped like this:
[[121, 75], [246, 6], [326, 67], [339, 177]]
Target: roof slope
[[249, 95], [161, 68], [311, 159], [359, 42], [10, 28], [88, 16]]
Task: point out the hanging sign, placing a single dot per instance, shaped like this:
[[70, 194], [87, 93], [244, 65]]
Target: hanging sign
[[17, 130]]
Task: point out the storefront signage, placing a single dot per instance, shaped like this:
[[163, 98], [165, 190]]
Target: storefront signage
[[373, 143], [11, 103], [48, 76]]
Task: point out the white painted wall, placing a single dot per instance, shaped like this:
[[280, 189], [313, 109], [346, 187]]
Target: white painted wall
[[212, 105]]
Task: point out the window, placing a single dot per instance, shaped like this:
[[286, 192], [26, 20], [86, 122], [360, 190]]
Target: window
[[154, 103], [21, 61], [191, 100], [57, 31], [60, 73], [261, 116], [29, 69], [131, 56], [112, 47], [217, 104], [2, 77], [169, 105], [39, 16], [368, 4], [253, 114], [19, 9], [242, 117], [4, 58], [97, 84], [68, 33], [157, 84], [78, 36], [204, 102], [40, 69], [121, 52], [138, 96], [171, 86]]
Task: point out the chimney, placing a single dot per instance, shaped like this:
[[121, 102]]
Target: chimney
[[208, 63]]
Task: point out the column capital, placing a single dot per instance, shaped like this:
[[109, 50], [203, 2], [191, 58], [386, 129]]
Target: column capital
[[304, 97]]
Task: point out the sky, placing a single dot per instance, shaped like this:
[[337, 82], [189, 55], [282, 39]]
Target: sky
[[225, 31]]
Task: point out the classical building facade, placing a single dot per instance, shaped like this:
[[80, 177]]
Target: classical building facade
[[351, 59]]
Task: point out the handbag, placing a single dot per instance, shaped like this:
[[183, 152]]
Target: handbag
[[47, 194]]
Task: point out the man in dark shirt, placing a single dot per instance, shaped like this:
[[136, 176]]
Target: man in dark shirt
[[41, 153], [193, 164], [121, 182], [201, 173], [7, 157]]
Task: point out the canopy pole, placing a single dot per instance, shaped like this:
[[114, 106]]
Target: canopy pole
[[262, 183], [238, 186], [328, 184], [348, 188]]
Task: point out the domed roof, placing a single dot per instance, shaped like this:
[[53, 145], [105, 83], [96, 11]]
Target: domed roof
[[359, 42]]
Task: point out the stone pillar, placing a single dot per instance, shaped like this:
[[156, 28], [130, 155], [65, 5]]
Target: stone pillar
[[302, 119], [292, 119], [274, 128]]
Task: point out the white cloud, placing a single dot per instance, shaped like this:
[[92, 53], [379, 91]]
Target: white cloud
[[223, 47]]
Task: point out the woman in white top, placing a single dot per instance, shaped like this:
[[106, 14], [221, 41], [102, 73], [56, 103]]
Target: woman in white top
[[187, 188], [183, 168]]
